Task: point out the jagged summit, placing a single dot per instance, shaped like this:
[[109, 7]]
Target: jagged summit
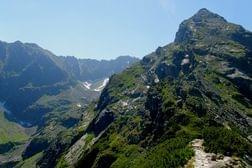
[[206, 14], [204, 10], [204, 24]]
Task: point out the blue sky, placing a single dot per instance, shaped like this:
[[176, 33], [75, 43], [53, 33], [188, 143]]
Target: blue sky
[[107, 28]]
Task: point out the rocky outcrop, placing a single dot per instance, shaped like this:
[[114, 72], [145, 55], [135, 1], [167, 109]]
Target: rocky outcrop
[[35, 146], [102, 121], [203, 159], [165, 70]]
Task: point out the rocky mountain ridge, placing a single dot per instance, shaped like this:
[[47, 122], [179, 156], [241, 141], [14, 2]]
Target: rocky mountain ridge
[[198, 87]]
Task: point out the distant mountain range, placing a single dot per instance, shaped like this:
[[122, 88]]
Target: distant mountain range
[[91, 69], [38, 89], [28, 72]]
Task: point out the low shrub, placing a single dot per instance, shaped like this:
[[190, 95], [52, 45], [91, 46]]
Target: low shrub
[[225, 141]]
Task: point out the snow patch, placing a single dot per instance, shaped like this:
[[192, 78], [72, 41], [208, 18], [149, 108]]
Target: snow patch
[[78, 105], [124, 103], [156, 80], [185, 61], [87, 85], [104, 83]]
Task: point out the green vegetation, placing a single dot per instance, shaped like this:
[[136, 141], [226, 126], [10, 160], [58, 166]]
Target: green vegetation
[[62, 163], [171, 153], [167, 97], [175, 122], [31, 162], [126, 80], [11, 131], [228, 142]]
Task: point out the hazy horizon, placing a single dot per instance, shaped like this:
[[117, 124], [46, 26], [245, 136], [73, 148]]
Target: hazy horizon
[[106, 30]]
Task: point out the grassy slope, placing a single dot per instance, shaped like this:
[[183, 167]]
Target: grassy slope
[[30, 162], [11, 131]]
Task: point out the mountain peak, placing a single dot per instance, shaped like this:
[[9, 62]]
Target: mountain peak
[[205, 14], [17, 42], [203, 24], [204, 11]]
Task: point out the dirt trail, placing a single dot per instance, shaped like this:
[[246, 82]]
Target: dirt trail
[[210, 160]]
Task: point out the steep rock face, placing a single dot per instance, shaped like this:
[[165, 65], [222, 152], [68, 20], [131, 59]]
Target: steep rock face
[[197, 87], [102, 121], [71, 65]]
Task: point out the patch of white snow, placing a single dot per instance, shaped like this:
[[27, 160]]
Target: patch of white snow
[[87, 85], [105, 81], [156, 80], [124, 103], [185, 61]]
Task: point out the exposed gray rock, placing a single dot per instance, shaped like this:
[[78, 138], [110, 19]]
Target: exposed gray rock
[[102, 121], [165, 70]]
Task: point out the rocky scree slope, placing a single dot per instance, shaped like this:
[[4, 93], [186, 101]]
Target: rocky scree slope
[[199, 86]]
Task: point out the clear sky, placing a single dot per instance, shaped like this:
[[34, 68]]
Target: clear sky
[[107, 28]]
